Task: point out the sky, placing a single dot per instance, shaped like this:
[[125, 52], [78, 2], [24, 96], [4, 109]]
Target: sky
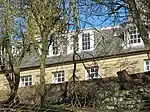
[[92, 14]]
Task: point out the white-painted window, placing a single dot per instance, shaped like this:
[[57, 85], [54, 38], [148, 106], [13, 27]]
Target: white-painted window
[[58, 46], [147, 65], [72, 44], [86, 41], [58, 77], [92, 72], [134, 35], [26, 81]]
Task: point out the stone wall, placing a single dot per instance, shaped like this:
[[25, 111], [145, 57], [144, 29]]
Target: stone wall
[[130, 94]]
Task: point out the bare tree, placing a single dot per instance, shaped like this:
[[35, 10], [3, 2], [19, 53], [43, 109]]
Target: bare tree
[[137, 12], [43, 24], [13, 46], [140, 15]]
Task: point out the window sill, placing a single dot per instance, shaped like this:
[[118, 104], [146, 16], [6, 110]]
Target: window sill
[[57, 82], [136, 45]]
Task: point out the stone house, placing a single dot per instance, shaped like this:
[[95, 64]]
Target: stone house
[[101, 53]]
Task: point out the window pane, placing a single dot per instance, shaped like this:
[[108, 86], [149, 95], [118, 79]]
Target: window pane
[[92, 75], [92, 69], [131, 37], [26, 83], [26, 78], [83, 37], [135, 41], [59, 79], [63, 79], [93, 72], [96, 75], [30, 83], [29, 78], [55, 75], [86, 41], [59, 74], [22, 79], [147, 67], [134, 35], [139, 40], [147, 62], [96, 69], [131, 41], [83, 44]]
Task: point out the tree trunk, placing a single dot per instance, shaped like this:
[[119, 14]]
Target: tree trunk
[[42, 81], [13, 98]]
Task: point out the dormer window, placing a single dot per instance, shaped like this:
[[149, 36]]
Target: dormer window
[[134, 35], [54, 48], [86, 41], [72, 44], [57, 47]]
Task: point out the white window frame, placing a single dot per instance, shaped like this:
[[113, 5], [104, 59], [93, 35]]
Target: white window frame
[[134, 33], [56, 77], [94, 73], [86, 41], [146, 65], [23, 81], [70, 41], [91, 34], [51, 48], [58, 44], [132, 36]]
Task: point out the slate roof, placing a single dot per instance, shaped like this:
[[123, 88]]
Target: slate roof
[[108, 45]]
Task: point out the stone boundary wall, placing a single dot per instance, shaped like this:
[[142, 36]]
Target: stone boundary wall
[[127, 93]]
